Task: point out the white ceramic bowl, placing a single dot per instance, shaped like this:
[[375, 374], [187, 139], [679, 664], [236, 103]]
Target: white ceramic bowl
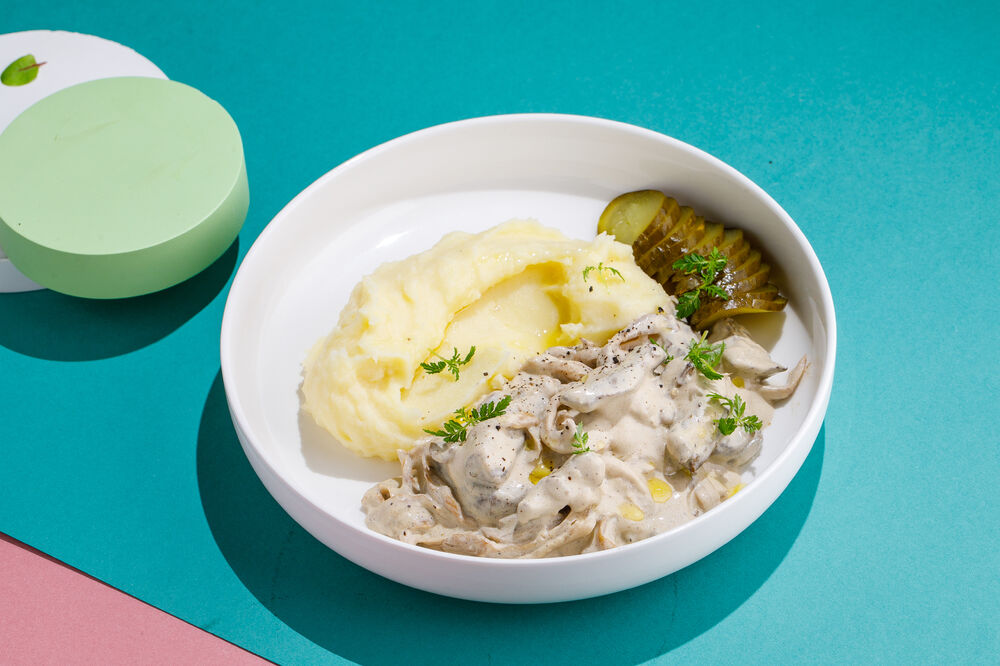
[[400, 198]]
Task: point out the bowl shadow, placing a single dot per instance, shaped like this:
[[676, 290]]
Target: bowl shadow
[[52, 326], [311, 588]]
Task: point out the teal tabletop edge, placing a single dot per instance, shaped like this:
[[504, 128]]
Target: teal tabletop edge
[[876, 126]]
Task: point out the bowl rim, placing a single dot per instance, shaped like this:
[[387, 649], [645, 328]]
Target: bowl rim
[[811, 421]]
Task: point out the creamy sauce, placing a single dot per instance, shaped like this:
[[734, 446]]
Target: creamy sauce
[[525, 485]]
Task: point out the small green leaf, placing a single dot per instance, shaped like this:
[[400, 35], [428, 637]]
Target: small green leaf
[[21, 71], [456, 430], [601, 268], [689, 263], [489, 410], [669, 358], [707, 268], [736, 407], [705, 356], [714, 263], [468, 357], [452, 364], [752, 424], [716, 291], [433, 368], [726, 426], [687, 303], [580, 440]]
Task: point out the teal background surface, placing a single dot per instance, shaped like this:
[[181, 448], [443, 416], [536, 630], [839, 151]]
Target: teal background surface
[[875, 125]]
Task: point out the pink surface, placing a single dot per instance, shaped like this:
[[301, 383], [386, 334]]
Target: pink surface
[[53, 614]]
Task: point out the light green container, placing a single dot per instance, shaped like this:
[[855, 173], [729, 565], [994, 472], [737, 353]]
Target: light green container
[[120, 187]]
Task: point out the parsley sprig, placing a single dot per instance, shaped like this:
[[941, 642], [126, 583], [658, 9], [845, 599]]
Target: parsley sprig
[[457, 429], [707, 269], [736, 407], [452, 364], [704, 356], [669, 358], [580, 440], [601, 268]]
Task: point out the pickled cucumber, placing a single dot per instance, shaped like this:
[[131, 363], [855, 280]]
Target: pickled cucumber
[[627, 215], [661, 231], [668, 246], [655, 232], [764, 299]]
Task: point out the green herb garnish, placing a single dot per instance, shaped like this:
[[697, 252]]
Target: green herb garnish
[[669, 358], [452, 364], [454, 431], [708, 269], [580, 440], [600, 268], [736, 407], [705, 356], [457, 429], [21, 71], [488, 410], [687, 303]]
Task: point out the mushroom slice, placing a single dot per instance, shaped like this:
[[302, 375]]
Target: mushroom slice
[[773, 393], [639, 330], [574, 528], [420, 479], [622, 372], [691, 441], [558, 427], [553, 365], [741, 354]]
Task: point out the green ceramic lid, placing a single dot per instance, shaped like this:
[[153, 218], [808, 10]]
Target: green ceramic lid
[[120, 187]]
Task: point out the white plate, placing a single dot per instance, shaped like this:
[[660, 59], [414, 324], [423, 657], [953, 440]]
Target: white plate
[[400, 198]]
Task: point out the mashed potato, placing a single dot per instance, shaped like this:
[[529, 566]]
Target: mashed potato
[[511, 291]]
